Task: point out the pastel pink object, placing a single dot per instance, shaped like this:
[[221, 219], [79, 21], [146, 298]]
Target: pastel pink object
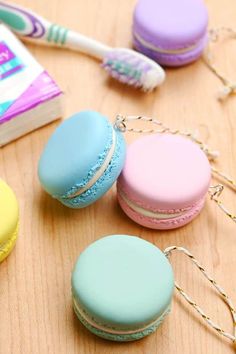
[[164, 182]]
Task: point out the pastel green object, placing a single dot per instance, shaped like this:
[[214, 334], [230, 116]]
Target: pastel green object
[[13, 20], [122, 287], [57, 34]]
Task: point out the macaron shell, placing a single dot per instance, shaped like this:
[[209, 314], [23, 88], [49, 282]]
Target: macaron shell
[[123, 281], [75, 151], [171, 24], [9, 213], [165, 172], [161, 224], [9, 245]]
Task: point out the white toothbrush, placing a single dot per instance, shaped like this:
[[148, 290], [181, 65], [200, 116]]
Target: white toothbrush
[[123, 64]]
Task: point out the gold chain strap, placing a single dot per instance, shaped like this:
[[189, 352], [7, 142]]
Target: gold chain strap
[[229, 87], [214, 191], [225, 297]]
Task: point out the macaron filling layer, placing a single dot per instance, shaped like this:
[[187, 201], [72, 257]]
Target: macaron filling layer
[[100, 171], [150, 213], [161, 50], [112, 330], [104, 182]]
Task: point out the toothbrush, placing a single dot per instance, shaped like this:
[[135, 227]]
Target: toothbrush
[[123, 64]]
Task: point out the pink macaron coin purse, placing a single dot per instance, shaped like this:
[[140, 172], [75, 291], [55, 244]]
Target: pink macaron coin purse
[[164, 181], [172, 32]]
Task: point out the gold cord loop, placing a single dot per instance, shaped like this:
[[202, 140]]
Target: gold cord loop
[[215, 192], [224, 296], [121, 123], [214, 35]]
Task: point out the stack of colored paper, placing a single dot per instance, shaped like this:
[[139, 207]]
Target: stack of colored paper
[[29, 97]]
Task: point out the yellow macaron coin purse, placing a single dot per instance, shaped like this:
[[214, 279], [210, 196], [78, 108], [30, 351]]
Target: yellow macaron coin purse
[[9, 220]]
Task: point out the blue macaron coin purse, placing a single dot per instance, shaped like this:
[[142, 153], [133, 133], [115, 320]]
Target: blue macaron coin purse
[[82, 159]]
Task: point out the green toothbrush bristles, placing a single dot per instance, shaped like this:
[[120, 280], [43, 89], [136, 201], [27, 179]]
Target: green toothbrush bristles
[[133, 68], [123, 68]]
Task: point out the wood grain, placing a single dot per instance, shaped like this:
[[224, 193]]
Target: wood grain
[[35, 296]]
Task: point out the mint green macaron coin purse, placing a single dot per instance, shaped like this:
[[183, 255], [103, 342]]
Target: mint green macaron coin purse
[[122, 288]]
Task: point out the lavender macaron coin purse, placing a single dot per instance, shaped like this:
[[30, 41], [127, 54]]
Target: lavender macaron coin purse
[[171, 32]]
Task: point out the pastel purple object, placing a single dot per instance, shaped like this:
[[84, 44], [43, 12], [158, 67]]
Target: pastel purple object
[[171, 32], [126, 72], [41, 90], [164, 181]]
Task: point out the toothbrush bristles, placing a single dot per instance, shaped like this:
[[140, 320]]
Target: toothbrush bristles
[[133, 69]]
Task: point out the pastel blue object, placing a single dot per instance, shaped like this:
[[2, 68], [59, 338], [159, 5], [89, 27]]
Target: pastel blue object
[[74, 155], [122, 287]]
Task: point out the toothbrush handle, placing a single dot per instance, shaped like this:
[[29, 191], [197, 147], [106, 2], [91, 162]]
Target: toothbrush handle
[[29, 25]]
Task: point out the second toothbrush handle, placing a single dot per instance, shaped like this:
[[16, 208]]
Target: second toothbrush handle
[[29, 25], [60, 36]]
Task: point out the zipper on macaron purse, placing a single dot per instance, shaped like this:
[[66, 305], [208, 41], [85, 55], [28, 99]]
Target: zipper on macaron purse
[[167, 176], [123, 288]]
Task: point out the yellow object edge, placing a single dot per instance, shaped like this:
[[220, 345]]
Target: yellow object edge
[[8, 246]]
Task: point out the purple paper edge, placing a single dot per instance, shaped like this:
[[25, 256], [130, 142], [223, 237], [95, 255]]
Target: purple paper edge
[[12, 71], [33, 105], [9, 116]]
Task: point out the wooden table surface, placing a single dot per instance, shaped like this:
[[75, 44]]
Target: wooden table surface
[[35, 295]]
